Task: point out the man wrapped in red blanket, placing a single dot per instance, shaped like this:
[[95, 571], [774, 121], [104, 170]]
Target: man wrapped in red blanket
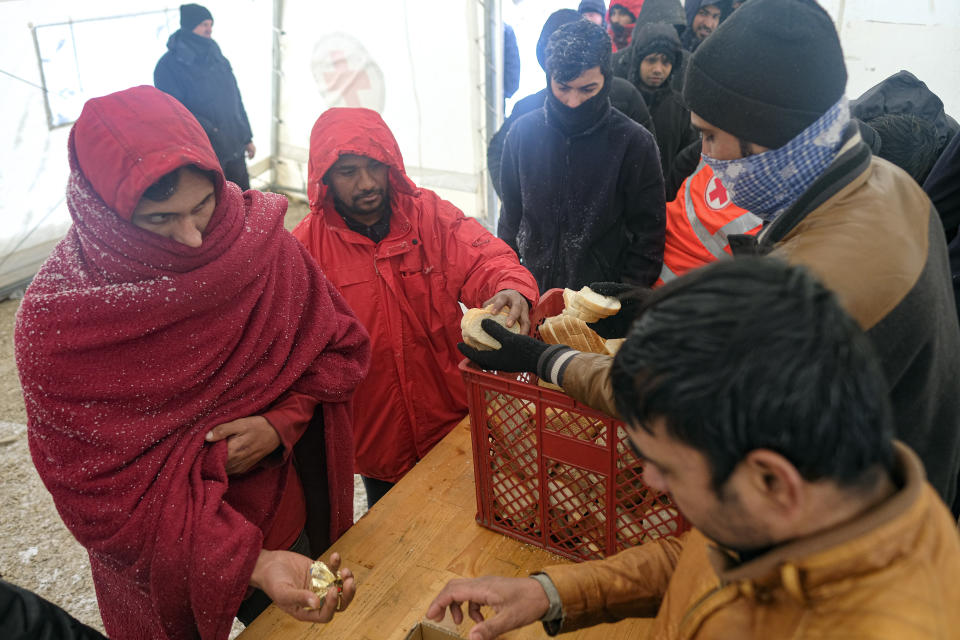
[[173, 351]]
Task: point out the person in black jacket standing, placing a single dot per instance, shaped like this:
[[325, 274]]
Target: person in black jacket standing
[[582, 188], [623, 96], [194, 71], [654, 58]]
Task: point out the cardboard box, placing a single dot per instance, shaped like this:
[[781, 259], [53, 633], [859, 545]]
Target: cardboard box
[[427, 631]]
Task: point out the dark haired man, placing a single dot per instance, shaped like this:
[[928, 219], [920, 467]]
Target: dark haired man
[[783, 146], [623, 97], [195, 72], [594, 10], [582, 188], [177, 352], [757, 403], [703, 18], [403, 259], [654, 60], [621, 19]]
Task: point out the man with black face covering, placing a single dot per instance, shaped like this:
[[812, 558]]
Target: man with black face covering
[[582, 187], [623, 96], [194, 71]]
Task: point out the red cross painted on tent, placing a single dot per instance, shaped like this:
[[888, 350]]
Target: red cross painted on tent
[[345, 81], [715, 194]]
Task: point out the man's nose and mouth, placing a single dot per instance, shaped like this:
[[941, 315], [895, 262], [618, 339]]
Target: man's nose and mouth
[[369, 198]]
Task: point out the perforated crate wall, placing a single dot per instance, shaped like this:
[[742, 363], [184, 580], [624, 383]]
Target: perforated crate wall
[[557, 474]]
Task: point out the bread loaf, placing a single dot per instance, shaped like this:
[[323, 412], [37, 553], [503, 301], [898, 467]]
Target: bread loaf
[[473, 333], [572, 332]]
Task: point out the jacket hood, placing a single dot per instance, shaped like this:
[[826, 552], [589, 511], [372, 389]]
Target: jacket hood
[[633, 6], [126, 141], [654, 37], [556, 20], [693, 6], [661, 12], [362, 132]]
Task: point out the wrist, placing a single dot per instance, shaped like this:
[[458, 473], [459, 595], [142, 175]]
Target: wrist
[[553, 362], [259, 569], [554, 607]]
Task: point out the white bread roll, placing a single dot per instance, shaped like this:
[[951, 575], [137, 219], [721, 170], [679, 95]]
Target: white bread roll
[[473, 333], [593, 302]]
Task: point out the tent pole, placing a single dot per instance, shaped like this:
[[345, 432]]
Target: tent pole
[[493, 94], [275, 93]]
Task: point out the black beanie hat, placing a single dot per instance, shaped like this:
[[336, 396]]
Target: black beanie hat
[[768, 72], [657, 38], [556, 20], [193, 14]]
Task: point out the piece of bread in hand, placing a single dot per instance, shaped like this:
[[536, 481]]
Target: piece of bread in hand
[[593, 302], [588, 305], [473, 333]]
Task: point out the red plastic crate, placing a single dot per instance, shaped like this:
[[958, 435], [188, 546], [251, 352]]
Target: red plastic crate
[[554, 473]]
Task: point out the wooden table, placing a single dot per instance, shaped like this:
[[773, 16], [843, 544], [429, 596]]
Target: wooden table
[[420, 535]]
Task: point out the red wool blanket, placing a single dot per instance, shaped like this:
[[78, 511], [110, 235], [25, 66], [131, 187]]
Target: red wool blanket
[[131, 347]]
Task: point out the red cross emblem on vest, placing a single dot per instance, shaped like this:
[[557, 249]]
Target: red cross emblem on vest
[[715, 195]]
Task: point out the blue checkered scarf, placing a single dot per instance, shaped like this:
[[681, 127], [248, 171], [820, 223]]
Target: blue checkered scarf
[[767, 184]]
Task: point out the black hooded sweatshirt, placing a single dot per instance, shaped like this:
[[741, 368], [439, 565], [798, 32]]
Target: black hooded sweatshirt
[[670, 117], [623, 96], [583, 195], [692, 8], [194, 71], [653, 12]]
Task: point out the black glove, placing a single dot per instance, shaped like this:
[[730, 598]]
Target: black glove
[[518, 353], [632, 298]]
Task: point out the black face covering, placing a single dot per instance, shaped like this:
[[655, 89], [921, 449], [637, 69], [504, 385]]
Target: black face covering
[[573, 121], [199, 44]]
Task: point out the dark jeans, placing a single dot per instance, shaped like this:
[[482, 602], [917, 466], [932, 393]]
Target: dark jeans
[[236, 171], [376, 489], [255, 604]]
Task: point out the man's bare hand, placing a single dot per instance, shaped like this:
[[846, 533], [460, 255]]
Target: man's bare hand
[[249, 440], [517, 602], [285, 577], [518, 305], [251, 150]]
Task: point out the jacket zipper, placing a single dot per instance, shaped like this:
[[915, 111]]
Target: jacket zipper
[[689, 613]]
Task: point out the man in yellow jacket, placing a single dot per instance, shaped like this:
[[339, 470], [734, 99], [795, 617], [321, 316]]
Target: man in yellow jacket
[[759, 405]]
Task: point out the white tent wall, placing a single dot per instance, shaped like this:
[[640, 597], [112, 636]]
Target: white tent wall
[[109, 45], [420, 67], [423, 66], [881, 37]]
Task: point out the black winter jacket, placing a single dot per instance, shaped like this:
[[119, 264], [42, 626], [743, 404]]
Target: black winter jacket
[[583, 207], [623, 96], [670, 116], [26, 616], [943, 187], [194, 71]]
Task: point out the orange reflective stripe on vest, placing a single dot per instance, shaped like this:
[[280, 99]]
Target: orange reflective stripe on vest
[[698, 223]]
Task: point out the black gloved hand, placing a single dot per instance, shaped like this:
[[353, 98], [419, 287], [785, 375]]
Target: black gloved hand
[[519, 353], [632, 298]]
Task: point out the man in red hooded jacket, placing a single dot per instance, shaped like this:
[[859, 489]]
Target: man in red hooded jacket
[[403, 258], [177, 352]]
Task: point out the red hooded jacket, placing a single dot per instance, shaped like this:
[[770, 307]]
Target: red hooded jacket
[[132, 346], [634, 7], [405, 290]]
